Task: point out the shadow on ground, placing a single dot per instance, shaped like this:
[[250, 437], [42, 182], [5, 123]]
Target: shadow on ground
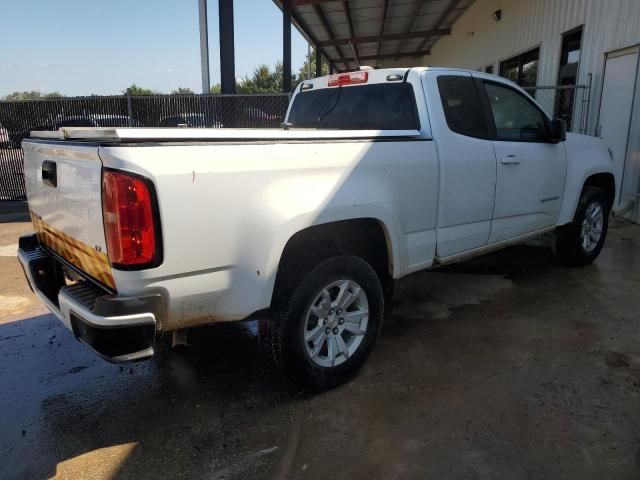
[[505, 366]]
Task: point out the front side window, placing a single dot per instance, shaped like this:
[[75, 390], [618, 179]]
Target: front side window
[[462, 107], [516, 117], [363, 107]]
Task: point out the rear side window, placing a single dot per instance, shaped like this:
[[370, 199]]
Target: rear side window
[[462, 107], [363, 107]]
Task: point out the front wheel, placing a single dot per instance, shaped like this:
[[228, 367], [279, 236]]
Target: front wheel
[[580, 242], [324, 329]]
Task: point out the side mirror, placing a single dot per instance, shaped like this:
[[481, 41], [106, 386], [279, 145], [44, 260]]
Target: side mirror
[[558, 130]]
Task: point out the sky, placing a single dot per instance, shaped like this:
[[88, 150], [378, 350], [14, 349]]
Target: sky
[[83, 47]]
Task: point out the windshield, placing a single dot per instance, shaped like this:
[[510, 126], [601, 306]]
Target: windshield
[[363, 107]]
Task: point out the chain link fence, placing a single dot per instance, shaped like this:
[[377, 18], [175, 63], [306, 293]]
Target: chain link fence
[[568, 102], [19, 118]]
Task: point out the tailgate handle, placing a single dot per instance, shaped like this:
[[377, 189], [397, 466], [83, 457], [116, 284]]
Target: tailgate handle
[[49, 173]]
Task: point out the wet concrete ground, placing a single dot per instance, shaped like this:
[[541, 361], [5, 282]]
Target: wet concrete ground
[[507, 366]]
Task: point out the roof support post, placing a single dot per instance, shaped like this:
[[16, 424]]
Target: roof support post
[[227, 50], [204, 45], [318, 62], [286, 46]]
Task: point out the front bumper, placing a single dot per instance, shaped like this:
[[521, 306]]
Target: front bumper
[[119, 329]]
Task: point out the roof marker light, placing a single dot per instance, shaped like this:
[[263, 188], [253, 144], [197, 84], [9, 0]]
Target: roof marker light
[[351, 78], [306, 86], [394, 77]]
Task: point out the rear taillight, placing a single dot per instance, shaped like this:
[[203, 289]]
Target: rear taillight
[[128, 213], [351, 78]]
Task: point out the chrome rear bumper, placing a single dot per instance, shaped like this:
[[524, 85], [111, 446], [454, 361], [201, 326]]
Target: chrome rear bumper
[[119, 329]]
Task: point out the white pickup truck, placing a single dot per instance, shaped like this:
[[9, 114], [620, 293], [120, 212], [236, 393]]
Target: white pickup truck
[[375, 174]]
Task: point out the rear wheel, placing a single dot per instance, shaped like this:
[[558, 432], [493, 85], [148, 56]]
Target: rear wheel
[[580, 242], [324, 329]]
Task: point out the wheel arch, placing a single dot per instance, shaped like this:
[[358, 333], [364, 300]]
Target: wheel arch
[[606, 182], [367, 237], [602, 179]]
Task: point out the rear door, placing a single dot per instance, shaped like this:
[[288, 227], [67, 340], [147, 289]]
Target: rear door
[[467, 182], [531, 171], [64, 189]]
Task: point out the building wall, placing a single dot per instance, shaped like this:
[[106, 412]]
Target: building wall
[[477, 40]]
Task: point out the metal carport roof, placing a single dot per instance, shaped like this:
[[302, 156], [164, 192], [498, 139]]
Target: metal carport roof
[[370, 32]]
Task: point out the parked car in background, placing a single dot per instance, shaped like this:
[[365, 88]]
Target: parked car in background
[[194, 120], [4, 136], [255, 117], [93, 120], [376, 175]]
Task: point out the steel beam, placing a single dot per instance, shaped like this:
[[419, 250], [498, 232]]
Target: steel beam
[[441, 19], [413, 53], [297, 3], [382, 22], [227, 49], [328, 30], [389, 36], [347, 13], [318, 62], [204, 45], [286, 46]]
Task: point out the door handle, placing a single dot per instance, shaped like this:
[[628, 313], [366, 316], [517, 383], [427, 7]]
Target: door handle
[[510, 160]]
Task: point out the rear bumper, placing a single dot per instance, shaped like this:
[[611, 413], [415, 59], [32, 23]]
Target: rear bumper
[[119, 329]]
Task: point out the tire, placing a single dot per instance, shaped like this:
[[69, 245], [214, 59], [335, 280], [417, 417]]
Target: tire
[[301, 314], [570, 246]]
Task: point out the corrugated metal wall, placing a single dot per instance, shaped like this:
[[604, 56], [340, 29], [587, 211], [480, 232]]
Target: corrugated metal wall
[[478, 41]]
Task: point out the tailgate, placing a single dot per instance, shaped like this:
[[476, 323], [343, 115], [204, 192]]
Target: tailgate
[[64, 190]]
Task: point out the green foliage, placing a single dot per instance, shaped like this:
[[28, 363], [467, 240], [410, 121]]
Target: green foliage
[[217, 88], [310, 61], [182, 91], [266, 80], [263, 80], [139, 91], [32, 95]]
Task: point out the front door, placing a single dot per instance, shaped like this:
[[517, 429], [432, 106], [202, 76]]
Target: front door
[[531, 171], [616, 108]]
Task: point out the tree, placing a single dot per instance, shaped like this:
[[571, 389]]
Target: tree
[[32, 95], [182, 91], [217, 88], [264, 80], [310, 64], [139, 91]]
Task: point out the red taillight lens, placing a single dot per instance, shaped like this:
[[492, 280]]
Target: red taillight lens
[[350, 78], [127, 211]]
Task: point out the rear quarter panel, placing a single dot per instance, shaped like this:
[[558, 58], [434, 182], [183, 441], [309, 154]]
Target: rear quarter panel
[[228, 210]]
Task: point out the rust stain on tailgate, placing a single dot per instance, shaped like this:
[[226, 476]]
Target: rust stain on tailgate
[[89, 260]]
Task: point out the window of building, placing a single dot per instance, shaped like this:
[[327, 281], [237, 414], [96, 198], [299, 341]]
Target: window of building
[[489, 69], [522, 69], [462, 107], [516, 117], [568, 74]]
